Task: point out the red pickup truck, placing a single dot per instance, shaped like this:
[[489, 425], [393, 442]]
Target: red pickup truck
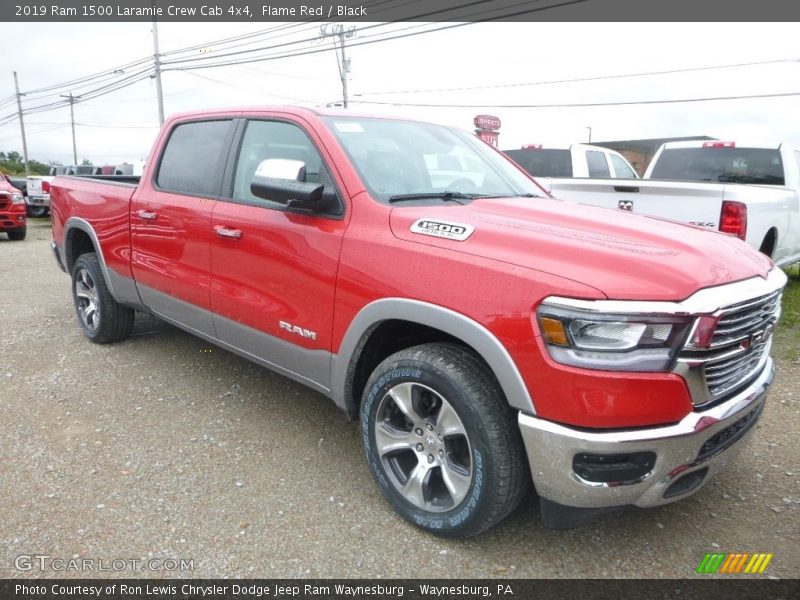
[[13, 217], [485, 335]]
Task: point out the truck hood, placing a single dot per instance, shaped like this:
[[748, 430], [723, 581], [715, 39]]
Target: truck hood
[[623, 255]]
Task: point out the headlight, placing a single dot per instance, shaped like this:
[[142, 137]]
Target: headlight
[[17, 199], [608, 342]]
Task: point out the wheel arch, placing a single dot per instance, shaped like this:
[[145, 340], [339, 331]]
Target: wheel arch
[[80, 238], [373, 335], [770, 242]]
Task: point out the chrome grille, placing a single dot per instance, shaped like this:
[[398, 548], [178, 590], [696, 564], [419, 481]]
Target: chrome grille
[[737, 351], [728, 374], [741, 320]]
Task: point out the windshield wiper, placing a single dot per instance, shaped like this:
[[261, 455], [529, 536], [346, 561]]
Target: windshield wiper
[[446, 195]]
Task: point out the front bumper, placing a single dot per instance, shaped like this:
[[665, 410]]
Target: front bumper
[[11, 221], [688, 453]]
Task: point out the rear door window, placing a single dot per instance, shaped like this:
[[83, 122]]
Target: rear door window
[[598, 165], [194, 158]]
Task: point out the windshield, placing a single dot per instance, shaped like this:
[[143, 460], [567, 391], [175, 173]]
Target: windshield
[[727, 165], [420, 161]]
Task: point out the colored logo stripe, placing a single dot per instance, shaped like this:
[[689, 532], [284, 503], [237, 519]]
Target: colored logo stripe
[[720, 562]]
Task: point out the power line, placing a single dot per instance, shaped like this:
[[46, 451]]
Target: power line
[[73, 83], [33, 133], [369, 39], [581, 79], [586, 104], [238, 87], [113, 126]]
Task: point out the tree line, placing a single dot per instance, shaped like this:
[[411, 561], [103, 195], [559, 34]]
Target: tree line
[[12, 163]]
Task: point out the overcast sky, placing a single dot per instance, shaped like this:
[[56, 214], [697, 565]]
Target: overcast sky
[[495, 64]]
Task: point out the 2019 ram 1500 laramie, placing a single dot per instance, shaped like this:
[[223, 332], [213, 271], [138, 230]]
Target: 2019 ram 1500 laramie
[[485, 336]]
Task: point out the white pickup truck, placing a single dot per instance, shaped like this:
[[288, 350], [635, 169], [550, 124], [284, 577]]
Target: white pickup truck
[[747, 190], [578, 160], [38, 199]]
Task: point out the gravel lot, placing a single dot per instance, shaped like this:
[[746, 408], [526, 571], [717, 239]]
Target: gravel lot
[[164, 447]]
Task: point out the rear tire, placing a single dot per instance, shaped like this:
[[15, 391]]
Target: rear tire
[[103, 319], [36, 211], [18, 235], [441, 441]]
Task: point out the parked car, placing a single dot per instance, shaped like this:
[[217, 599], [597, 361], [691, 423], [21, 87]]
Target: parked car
[[135, 168], [579, 160], [21, 183], [485, 336], [13, 219], [80, 170]]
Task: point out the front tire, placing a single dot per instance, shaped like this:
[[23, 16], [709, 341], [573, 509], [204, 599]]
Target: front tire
[[103, 319], [17, 235], [441, 441]]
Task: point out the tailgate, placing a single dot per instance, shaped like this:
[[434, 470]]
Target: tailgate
[[34, 186], [686, 202]]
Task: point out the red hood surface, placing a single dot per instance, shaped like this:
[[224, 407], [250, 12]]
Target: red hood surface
[[623, 255]]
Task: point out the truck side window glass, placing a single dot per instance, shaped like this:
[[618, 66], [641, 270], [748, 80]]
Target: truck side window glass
[[621, 168], [193, 158], [598, 166], [274, 139]]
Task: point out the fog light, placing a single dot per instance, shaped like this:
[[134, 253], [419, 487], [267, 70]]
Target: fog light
[[613, 469]]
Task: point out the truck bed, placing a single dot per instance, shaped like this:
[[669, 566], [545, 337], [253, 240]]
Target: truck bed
[[103, 201], [695, 203]]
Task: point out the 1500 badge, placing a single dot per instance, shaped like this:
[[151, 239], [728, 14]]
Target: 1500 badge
[[442, 229]]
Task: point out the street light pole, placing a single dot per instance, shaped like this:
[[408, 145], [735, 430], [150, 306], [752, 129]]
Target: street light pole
[[72, 119], [590, 134]]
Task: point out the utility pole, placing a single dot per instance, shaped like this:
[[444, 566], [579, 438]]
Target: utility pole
[[157, 61], [338, 30], [72, 118], [21, 125]]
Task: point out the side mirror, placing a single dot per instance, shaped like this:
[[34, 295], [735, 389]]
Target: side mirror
[[282, 180]]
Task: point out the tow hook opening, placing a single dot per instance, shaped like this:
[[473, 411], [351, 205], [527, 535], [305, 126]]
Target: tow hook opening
[[613, 469], [687, 483]]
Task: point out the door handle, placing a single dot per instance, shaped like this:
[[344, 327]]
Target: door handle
[[231, 234], [147, 215]]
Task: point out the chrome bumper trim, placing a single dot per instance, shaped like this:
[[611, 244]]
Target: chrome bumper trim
[[551, 448]]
